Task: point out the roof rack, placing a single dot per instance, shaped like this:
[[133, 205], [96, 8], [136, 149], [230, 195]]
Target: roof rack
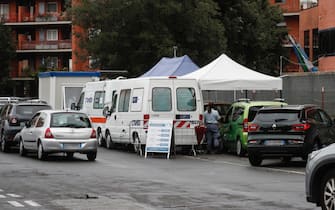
[[33, 100], [244, 100], [279, 99]]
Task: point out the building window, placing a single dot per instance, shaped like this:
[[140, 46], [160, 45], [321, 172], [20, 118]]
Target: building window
[[50, 62], [327, 42], [52, 7], [315, 45], [279, 1], [4, 11], [306, 42], [52, 35]]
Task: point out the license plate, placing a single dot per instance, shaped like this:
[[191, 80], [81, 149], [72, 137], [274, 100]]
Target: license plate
[[274, 142], [71, 146]]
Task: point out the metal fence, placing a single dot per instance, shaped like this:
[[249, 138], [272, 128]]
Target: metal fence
[[300, 88]]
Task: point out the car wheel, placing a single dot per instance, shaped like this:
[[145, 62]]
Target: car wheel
[[239, 148], [22, 150], [316, 146], [109, 142], [4, 144], [100, 139], [255, 160], [41, 155], [69, 155], [286, 159], [327, 195], [91, 156]]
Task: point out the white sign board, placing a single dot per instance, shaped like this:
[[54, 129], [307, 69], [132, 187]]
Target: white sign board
[[159, 136]]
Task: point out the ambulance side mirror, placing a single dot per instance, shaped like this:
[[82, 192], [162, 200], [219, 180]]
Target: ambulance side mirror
[[73, 106], [106, 112]]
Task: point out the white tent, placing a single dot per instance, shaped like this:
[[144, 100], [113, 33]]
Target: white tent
[[225, 74]]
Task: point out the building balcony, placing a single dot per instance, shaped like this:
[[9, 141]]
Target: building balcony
[[37, 46], [32, 19]]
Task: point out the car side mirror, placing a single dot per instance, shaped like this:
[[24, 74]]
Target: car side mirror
[[106, 112], [27, 124], [73, 106]]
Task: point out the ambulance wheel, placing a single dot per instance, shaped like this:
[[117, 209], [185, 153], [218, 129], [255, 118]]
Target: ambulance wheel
[[101, 141], [109, 141], [137, 144]]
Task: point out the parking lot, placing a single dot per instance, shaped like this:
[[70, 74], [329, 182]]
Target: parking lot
[[119, 179]]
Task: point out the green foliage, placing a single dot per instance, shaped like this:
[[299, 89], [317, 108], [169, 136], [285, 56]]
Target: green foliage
[[7, 52], [254, 39], [135, 34]]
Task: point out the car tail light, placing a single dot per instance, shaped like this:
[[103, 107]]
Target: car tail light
[[13, 120], [301, 127], [48, 134], [253, 127], [245, 125], [146, 117], [93, 134], [201, 117]]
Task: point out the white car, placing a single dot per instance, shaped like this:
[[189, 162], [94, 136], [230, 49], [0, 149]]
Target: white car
[[54, 131]]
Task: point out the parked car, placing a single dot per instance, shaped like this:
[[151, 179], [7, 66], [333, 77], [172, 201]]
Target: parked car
[[13, 117], [289, 131], [234, 131], [55, 131], [320, 177]]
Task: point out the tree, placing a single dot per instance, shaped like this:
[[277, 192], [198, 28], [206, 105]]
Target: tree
[[253, 36], [135, 34], [7, 52]]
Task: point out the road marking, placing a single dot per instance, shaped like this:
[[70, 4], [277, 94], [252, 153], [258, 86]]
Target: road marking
[[32, 203], [15, 204], [2, 196], [14, 195], [247, 165]]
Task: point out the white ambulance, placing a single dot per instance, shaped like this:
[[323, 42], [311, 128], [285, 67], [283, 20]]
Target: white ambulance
[[136, 101], [93, 98]]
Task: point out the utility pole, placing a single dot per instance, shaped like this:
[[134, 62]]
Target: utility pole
[[280, 65]]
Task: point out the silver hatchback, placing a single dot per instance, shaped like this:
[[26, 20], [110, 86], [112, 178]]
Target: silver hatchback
[[54, 131]]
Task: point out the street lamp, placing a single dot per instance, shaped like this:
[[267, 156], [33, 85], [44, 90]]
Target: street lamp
[[175, 51]]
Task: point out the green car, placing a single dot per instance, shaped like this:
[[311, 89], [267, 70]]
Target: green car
[[234, 131]]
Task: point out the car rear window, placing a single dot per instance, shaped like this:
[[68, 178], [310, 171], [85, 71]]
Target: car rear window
[[252, 112], [277, 115], [70, 119], [30, 110]]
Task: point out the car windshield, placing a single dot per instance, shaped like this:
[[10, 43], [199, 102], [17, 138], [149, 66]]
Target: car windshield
[[277, 115], [30, 110], [70, 119]]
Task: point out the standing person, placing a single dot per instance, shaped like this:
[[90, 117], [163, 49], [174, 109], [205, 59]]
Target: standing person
[[212, 118]]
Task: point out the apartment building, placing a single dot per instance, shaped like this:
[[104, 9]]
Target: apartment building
[[318, 26], [45, 41], [291, 12], [312, 24]]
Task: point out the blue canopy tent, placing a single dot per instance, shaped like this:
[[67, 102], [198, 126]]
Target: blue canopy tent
[[176, 66]]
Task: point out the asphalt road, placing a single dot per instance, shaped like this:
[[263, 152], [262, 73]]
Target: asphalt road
[[123, 180]]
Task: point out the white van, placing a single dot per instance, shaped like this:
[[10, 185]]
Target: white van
[[93, 98], [136, 101]]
